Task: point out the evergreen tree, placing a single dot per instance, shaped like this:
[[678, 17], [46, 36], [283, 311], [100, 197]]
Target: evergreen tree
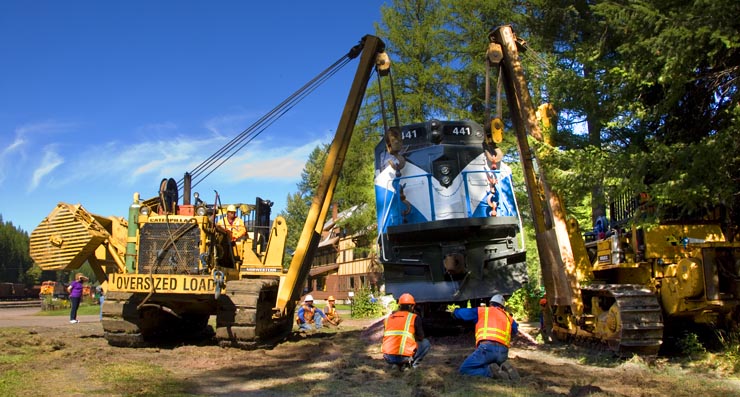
[[681, 66], [298, 203], [15, 260], [646, 94]]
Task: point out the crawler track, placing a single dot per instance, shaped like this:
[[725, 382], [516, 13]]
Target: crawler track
[[121, 322], [244, 316], [631, 321], [137, 320]]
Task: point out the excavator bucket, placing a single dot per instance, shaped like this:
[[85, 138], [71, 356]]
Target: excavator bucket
[[66, 238]]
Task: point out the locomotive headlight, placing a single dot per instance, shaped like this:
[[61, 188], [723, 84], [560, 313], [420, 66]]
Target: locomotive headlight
[[446, 180], [200, 211], [144, 210], [436, 133], [445, 170]]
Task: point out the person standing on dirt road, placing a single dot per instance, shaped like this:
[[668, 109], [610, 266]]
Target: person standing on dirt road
[[101, 299], [493, 331], [309, 317], [331, 311], [404, 344], [75, 296]]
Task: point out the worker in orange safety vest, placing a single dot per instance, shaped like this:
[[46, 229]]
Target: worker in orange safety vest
[[404, 344], [493, 331], [331, 311], [308, 317], [233, 224]]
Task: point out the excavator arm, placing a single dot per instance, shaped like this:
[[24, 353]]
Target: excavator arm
[[625, 317], [372, 55], [558, 262]]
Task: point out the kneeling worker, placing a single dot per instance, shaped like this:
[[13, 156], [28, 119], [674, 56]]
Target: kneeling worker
[[493, 331], [331, 311], [309, 316], [403, 340]]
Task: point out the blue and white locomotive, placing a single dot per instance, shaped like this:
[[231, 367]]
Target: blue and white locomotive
[[448, 224]]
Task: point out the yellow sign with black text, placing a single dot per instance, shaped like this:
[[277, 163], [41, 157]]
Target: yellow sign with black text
[[162, 283]]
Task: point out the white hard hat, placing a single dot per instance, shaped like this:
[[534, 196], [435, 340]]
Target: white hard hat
[[231, 208], [498, 298], [308, 298]]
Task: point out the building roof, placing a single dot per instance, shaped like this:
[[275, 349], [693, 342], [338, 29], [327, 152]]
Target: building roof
[[322, 269]]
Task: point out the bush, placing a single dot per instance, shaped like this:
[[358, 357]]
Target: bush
[[363, 307], [731, 346], [524, 303], [690, 345]]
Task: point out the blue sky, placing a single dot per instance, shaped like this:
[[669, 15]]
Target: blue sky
[[99, 100]]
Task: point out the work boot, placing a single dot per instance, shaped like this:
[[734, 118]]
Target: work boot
[[403, 366], [511, 371], [498, 373]]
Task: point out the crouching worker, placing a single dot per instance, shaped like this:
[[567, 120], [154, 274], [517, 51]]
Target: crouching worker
[[404, 344], [308, 316], [331, 311], [493, 331]]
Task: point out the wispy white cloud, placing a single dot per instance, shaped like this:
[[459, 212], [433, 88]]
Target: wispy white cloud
[[165, 153], [49, 161], [6, 154], [272, 163], [228, 125], [14, 157], [171, 158], [44, 127], [116, 161], [17, 143]]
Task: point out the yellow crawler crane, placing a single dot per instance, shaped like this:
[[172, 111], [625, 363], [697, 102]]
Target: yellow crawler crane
[[169, 266], [620, 286]]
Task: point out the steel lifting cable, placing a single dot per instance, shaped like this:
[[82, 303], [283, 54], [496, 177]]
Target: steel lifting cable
[[382, 106], [236, 144], [393, 98], [393, 102], [245, 137], [534, 56], [487, 106], [272, 117]]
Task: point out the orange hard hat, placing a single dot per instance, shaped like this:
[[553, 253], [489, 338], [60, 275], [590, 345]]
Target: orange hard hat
[[331, 298], [406, 299]]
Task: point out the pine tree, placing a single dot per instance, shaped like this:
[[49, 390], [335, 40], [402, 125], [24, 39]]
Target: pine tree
[[15, 259]]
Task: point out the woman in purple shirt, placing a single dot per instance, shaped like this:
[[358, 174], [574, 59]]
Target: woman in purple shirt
[[75, 295]]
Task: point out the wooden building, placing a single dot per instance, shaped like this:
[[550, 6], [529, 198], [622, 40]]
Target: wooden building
[[343, 263]]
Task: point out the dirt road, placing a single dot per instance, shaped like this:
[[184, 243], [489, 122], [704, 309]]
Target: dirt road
[[27, 317], [45, 356]]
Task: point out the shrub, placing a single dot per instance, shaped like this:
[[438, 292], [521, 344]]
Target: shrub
[[524, 303], [731, 346], [690, 345], [363, 307]]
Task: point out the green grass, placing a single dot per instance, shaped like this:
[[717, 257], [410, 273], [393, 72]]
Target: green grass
[[10, 381], [84, 310], [20, 350], [140, 379]]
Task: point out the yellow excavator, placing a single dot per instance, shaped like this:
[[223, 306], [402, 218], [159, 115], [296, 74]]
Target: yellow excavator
[[170, 265], [624, 283]]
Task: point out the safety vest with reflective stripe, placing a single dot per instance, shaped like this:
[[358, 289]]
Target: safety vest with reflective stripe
[[399, 338], [308, 312], [494, 324], [330, 311]]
